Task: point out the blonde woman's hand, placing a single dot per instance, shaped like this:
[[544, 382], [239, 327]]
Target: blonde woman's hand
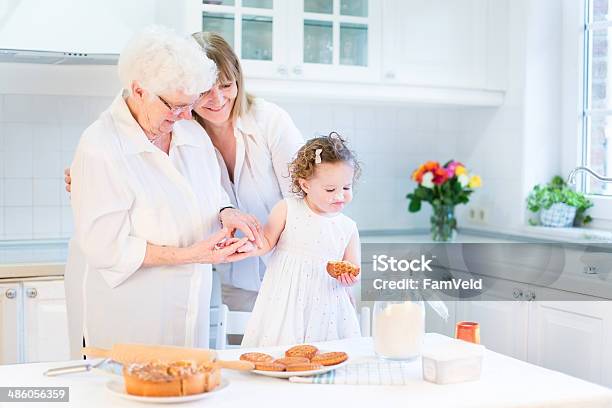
[[67, 178], [234, 219], [213, 251]]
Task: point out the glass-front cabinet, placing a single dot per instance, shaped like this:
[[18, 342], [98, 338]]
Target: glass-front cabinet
[[252, 27], [337, 37], [309, 39]]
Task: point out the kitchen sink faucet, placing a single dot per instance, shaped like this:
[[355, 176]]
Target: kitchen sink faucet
[[571, 178]]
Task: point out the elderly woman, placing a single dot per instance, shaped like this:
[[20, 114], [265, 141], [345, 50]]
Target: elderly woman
[[254, 141], [145, 194]]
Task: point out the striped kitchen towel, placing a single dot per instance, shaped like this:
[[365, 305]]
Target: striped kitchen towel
[[368, 373]]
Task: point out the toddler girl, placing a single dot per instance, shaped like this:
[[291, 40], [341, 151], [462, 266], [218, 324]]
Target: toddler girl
[[299, 301]]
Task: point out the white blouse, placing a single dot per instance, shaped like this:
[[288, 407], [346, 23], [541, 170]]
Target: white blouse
[[266, 142], [125, 193]]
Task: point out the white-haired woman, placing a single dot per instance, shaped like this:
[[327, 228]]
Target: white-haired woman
[[145, 197], [254, 141]]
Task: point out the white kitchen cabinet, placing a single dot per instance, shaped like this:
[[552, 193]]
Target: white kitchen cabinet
[[34, 321], [445, 43], [335, 40], [574, 337], [503, 320], [10, 323], [45, 321]]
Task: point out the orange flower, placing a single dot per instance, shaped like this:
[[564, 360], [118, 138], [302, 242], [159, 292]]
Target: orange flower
[[432, 166]]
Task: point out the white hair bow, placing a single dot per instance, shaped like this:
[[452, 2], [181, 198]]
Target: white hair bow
[[318, 156]]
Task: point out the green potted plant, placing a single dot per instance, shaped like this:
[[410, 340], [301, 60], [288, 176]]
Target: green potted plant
[[558, 205]]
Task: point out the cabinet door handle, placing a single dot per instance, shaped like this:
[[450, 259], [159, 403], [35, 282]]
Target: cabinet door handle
[[297, 70], [389, 75], [530, 296], [31, 292], [11, 293], [590, 270], [282, 70]]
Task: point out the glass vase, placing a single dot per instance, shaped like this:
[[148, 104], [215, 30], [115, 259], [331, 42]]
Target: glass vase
[[443, 222]]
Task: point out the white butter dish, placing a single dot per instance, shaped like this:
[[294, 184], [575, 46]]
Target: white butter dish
[[453, 363]]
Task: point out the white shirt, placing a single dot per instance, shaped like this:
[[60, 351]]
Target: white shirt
[[266, 142], [125, 193]]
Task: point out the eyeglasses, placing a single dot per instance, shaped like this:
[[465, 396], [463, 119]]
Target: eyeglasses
[[176, 110], [223, 88]]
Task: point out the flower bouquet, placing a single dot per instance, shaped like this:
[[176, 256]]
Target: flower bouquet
[[443, 187]]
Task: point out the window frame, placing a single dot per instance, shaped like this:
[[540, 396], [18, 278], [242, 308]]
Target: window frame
[[575, 121]]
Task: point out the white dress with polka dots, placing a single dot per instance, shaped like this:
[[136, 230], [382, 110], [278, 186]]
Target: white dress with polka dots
[[298, 301]]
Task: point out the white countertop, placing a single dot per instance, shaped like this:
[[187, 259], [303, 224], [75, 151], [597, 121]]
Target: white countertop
[[30, 259], [37, 258], [505, 382]]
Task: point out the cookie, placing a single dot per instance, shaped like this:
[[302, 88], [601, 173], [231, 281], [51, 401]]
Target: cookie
[[303, 350], [331, 358], [257, 357], [292, 360], [337, 268], [269, 366], [304, 367]]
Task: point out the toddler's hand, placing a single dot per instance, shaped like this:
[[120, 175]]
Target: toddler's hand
[[347, 279], [247, 247]]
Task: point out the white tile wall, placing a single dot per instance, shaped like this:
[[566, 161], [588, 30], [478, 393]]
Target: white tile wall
[[390, 142], [38, 136]]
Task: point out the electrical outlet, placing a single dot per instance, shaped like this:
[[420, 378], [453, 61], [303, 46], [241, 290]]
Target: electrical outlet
[[482, 215], [472, 214], [478, 215]]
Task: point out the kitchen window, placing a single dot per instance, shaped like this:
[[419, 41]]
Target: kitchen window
[[596, 141]]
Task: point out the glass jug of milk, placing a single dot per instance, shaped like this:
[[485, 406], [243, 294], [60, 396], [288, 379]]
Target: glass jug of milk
[[398, 328]]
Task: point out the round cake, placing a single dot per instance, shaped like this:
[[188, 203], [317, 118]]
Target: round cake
[[159, 379]]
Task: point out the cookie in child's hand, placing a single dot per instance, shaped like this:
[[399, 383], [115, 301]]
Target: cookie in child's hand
[[337, 268]]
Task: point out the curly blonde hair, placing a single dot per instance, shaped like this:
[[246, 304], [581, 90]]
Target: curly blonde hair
[[333, 150]]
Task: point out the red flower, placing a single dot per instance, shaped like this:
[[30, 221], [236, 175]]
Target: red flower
[[440, 176]]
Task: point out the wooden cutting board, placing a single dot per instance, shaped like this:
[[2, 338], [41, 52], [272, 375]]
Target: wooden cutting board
[[128, 353]]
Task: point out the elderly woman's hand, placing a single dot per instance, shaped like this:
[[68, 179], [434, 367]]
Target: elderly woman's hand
[[213, 250], [249, 225]]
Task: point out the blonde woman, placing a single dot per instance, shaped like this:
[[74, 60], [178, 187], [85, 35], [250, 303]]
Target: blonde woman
[[255, 140]]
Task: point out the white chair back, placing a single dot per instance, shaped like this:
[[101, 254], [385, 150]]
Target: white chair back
[[229, 322], [365, 321]]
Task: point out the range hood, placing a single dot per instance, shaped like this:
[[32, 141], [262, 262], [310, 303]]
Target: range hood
[[69, 31]]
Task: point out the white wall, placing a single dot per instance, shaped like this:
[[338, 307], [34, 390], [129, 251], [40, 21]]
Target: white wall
[[542, 99], [390, 141]]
